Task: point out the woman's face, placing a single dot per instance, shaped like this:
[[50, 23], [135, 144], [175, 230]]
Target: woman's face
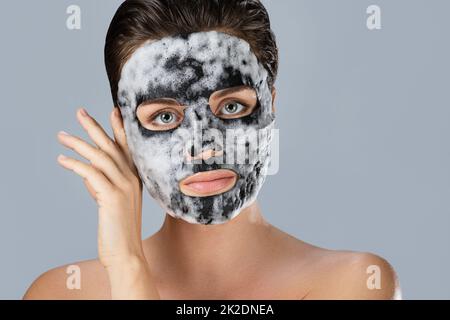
[[198, 116]]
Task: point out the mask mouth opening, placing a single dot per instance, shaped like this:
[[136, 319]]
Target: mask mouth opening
[[209, 183]]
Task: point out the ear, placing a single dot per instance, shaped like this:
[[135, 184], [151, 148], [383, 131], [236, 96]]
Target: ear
[[274, 93]]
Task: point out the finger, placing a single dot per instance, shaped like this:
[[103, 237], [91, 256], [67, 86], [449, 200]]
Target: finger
[[99, 158], [101, 138], [99, 183], [90, 189], [120, 136]]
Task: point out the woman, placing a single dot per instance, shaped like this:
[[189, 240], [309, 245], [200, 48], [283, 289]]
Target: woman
[[178, 68]]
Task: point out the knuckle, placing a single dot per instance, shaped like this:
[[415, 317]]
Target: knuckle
[[102, 156], [91, 172], [111, 144]]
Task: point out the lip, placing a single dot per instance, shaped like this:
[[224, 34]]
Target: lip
[[208, 183]]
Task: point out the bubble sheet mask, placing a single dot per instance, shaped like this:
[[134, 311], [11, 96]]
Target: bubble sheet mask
[[189, 68]]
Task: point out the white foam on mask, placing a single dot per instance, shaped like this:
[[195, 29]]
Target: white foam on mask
[[146, 69]]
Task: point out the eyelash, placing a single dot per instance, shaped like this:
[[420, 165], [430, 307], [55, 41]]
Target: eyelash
[[243, 106], [156, 121], [155, 117]]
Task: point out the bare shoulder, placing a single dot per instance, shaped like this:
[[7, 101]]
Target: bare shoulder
[[77, 281], [353, 275], [336, 274]]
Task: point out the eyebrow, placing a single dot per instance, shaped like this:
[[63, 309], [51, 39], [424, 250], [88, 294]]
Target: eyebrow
[[224, 92], [161, 100]]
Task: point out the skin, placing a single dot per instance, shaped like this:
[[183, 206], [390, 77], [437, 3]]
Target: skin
[[251, 259]]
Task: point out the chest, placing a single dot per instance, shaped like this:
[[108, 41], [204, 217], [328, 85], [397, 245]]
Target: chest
[[271, 287]]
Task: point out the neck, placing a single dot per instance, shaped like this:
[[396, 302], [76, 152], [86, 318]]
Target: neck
[[195, 249]]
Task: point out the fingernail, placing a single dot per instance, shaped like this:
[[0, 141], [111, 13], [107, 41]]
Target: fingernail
[[64, 133], [62, 157], [83, 112]]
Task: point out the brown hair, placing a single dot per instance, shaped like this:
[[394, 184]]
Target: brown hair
[[137, 21]]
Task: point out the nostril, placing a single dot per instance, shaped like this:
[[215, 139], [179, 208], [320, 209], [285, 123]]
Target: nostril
[[208, 154], [205, 154]]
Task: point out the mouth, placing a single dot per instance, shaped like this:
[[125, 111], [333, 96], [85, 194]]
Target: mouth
[[208, 183]]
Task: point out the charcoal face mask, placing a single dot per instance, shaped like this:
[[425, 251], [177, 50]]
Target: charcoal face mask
[[189, 68]]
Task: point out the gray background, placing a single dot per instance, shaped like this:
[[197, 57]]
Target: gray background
[[364, 128]]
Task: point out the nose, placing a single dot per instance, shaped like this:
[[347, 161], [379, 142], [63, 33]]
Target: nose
[[204, 155], [206, 141]]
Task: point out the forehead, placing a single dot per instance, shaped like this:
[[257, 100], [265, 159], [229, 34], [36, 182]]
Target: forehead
[[188, 67]]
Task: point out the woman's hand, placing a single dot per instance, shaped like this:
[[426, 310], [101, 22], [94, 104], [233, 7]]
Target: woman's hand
[[111, 179]]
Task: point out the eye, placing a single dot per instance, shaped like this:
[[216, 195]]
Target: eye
[[165, 118], [159, 116], [234, 102], [231, 109]]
